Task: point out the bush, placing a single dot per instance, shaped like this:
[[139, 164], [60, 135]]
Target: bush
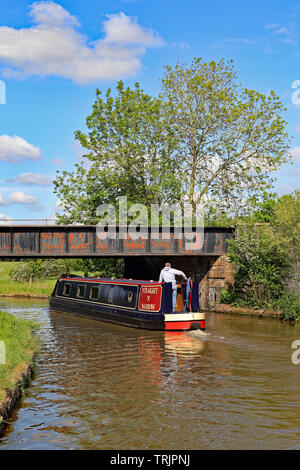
[[289, 305], [228, 296], [54, 268], [37, 269], [102, 267], [262, 265], [27, 271], [41, 269]]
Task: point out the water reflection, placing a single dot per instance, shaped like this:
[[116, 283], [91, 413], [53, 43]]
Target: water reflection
[[103, 386]]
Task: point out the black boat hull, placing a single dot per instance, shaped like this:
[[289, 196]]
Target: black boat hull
[[102, 313]]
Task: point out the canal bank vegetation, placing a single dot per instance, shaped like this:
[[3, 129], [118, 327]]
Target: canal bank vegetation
[[34, 278], [37, 278], [11, 285], [266, 256], [18, 348]]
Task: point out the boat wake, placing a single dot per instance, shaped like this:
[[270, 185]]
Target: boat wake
[[198, 334], [205, 336]]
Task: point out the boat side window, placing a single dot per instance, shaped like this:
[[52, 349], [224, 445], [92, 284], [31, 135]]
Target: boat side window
[[81, 291], [127, 296], [94, 292], [106, 294], [67, 289]]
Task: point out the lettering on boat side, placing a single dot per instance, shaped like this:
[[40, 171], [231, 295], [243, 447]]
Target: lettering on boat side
[[158, 459], [150, 298], [2, 353], [296, 353]]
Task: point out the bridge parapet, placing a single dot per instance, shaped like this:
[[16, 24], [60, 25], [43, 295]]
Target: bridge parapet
[[53, 241]]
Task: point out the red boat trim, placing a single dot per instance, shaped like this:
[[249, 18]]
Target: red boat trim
[[183, 325]]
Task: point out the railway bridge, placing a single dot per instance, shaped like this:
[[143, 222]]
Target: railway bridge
[[143, 257]]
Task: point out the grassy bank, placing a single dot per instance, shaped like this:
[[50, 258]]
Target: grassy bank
[[226, 308], [286, 307], [42, 287], [39, 287], [16, 358]]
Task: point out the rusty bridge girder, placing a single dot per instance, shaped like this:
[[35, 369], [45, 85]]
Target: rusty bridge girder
[[63, 241]]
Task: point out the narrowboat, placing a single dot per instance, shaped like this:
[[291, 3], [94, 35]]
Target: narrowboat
[[135, 303]]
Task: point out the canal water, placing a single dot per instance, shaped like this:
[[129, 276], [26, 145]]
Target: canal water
[[103, 386]]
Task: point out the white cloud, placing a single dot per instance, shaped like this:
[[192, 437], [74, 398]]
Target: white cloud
[[262, 43], [286, 34], [51, 13], [57, 210], [287, 188], [125, 30], [295, 152], [5, 220], [12, 149], [276, 33], [237, 42], [18, 197], [58, 205], [58, 161], [272, 26], [54, 47], [78, 149], [184, 46], [31, 179]]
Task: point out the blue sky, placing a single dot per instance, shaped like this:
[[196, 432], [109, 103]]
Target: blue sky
[[53, 55]]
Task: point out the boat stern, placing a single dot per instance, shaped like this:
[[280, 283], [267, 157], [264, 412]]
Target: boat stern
[[184, 321]]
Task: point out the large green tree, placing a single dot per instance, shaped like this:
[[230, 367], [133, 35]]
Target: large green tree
[[206, 139], [231, 138]]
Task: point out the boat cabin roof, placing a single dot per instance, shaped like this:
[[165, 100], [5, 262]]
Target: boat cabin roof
[[108, 280]]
